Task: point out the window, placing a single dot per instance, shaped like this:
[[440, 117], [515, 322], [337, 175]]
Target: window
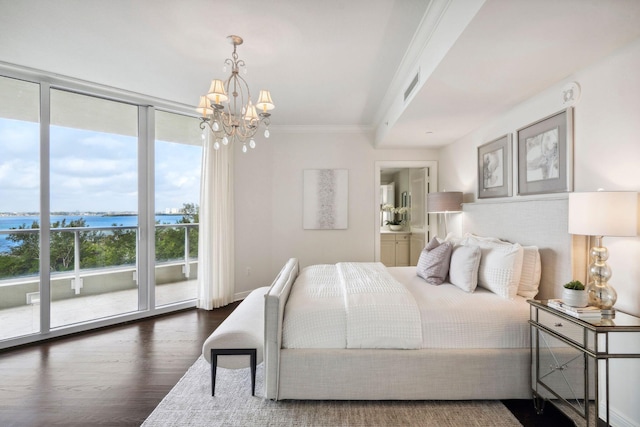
[[75, 217], [178, 153], [93, 185], [19, 208]]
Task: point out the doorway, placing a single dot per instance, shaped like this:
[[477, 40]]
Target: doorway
[[417, 220]]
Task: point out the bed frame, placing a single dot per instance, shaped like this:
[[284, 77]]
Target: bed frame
[[425, 374]]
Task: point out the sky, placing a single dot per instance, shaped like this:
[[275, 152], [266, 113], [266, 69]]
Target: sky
[[91, 171]]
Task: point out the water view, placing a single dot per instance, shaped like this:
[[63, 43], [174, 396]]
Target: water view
[[8, 222]]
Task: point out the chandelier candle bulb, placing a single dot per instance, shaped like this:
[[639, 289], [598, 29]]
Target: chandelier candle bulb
[[264, 101], [204, 107]]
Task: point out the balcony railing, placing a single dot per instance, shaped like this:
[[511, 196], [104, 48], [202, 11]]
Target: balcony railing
[[80, 270]]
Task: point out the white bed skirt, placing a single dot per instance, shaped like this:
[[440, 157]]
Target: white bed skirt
[[429, 374]]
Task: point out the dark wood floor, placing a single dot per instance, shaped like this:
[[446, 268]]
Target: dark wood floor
[[117, 376], [111, 377]]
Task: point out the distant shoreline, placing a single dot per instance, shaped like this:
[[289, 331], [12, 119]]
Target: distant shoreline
[[103, 214]]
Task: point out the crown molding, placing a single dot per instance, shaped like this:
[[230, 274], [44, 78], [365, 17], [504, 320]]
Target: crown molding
[[332, 129]]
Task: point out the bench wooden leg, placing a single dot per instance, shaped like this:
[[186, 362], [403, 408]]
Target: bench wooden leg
[[251, 352]]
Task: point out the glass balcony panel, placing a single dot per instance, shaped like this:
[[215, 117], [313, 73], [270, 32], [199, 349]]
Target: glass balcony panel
[[104, 285]]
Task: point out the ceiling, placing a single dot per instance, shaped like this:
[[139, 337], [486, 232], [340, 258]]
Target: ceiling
[[334, 64]]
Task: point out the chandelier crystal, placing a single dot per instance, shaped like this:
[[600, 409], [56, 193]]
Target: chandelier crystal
[[227, 109]]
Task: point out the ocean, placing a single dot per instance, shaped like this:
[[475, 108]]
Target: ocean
[[9, 222]]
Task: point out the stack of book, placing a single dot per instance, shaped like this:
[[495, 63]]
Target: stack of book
[[587, 313]]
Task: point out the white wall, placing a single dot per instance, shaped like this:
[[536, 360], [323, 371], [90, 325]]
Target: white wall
[[606, 148], [268, 189], [606, 155]]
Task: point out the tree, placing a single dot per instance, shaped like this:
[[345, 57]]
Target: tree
[[98, 248], [23, 257]]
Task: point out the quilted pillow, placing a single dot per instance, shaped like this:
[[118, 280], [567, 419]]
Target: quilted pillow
[[433, 264], [500, 265], [530, 277], [463, 269]]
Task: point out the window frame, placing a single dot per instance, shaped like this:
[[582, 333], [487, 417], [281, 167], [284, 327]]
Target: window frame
[[146, 106]]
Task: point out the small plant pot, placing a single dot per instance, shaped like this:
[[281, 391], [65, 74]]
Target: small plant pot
[[575, 298], [395, 227]]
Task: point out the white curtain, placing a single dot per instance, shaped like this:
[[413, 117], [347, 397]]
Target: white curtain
[[216, 241]]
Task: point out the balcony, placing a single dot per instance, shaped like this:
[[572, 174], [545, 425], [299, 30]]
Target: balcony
[[81, 294]]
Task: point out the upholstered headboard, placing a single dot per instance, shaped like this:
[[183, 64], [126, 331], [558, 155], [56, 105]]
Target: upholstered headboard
[[539, 222]]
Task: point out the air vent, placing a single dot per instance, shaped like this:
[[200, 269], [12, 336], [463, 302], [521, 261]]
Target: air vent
[[412, 86]]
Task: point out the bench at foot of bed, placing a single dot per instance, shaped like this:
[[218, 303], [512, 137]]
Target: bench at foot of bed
[[239, 340]]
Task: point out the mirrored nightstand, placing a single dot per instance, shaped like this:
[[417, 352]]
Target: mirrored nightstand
[[572, 361]]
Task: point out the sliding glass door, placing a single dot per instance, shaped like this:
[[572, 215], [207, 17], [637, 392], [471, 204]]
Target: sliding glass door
[[19, 208], [178, 154], [93, 208], [99, 206]]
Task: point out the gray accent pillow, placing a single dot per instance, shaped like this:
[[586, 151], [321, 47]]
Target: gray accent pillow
[[433, 264]]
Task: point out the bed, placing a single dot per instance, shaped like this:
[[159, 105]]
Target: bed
[[471, 345]]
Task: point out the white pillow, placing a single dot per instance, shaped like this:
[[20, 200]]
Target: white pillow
[[463, 267], [500, 265], [531, 270]]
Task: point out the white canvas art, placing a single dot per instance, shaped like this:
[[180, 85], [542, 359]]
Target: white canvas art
[[325, 199]]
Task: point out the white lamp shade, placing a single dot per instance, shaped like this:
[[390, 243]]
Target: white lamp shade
[[604, 213], [217, 94], [251, 114], [264, 101], [447, 201], [204, 107]]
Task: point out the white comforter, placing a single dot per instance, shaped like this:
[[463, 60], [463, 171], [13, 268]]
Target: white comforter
[[350, 305], [316, 315]]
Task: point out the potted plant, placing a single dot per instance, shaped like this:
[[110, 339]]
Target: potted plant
[[395, 223], [575, 294]]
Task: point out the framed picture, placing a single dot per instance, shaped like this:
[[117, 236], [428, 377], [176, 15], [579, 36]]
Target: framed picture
[[545, 155], [325, 199], [494, 168]]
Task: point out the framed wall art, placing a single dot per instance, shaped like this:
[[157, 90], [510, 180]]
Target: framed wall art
[[325, 199], [494, 168], [545, 155]]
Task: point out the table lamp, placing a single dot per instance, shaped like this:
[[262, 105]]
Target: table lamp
[[599, 214], [444, 202]]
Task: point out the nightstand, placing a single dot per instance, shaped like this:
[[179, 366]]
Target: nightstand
[[576, 364]]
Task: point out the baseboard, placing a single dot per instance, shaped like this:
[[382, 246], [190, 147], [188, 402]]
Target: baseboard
[[239, 296], [618, 419]]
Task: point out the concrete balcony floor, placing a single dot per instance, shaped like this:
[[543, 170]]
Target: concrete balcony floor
[[24, 320]]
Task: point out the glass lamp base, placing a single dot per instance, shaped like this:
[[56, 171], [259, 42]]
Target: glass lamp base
[[602, 296]]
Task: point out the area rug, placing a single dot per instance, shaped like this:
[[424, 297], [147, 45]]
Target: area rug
[[190, 403]]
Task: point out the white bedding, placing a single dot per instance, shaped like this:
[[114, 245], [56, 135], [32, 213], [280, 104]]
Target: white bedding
[[452, 318], [350, 305], [315, 315]]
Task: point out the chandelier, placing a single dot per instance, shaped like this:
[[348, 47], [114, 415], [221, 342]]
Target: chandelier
[[234, 118]]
